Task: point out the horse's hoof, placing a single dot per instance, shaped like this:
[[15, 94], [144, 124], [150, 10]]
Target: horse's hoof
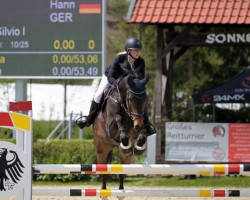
[[103, 198], [141, 140], [125, 142], [126, 149], [139, 150]]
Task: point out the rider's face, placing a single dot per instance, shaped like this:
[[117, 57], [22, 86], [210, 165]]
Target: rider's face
[[135, 53]]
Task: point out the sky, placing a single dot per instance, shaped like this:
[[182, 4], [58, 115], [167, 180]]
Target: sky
[[48, 99]]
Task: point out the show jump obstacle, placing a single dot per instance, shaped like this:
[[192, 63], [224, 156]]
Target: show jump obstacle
[[16, 160], [142, 192], [172, 169], [20, 172]]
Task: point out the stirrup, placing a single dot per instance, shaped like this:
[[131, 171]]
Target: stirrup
[[82, 121]]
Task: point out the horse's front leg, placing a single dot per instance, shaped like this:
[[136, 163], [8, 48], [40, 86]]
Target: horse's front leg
[[121, 187], [140, 144], [125, 144]]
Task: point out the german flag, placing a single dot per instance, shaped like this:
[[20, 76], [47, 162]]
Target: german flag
[[89, 8]]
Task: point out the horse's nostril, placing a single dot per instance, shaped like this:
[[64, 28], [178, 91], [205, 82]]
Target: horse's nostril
[[137, 128]]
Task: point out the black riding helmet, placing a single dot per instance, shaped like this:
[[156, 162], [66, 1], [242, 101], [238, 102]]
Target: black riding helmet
[[133, 43]]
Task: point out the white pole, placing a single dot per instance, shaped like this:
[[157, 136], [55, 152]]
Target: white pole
[[171, 169], [143, 192]]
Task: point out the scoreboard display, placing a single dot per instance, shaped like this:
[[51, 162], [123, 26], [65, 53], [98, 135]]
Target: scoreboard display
[[52, 38]]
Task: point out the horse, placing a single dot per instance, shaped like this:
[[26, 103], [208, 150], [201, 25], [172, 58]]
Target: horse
[[121, 124]]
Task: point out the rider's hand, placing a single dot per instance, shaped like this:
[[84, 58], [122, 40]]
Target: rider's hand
[[114, 83]]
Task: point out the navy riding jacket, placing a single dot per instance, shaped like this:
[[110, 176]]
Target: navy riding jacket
[[121, 68]]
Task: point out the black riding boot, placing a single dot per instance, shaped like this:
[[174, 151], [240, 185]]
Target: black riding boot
[[150, 129], [88, 120]]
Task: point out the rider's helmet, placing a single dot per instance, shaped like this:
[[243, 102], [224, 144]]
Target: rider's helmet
[[133, 43]]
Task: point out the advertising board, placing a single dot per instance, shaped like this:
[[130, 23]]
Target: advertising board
[[208, 142]]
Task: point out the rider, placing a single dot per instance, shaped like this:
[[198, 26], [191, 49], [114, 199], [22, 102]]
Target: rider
[[125, 63]]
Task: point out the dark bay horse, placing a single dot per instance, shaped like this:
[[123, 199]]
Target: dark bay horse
[[121, 123]]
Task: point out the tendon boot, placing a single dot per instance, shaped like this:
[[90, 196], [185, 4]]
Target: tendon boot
[[88, 120]]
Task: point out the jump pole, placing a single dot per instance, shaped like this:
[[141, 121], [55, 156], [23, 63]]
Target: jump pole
[[170, 169], [142, 192]]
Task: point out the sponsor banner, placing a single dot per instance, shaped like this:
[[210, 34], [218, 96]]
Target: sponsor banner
[[239, 142], [225, 98], [208, 142], [197, 142], [237, 90]]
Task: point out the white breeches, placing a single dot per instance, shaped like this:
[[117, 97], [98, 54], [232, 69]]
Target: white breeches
[[103, 85]]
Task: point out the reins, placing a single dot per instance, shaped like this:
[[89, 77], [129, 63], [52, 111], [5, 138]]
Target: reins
[[130, 114]]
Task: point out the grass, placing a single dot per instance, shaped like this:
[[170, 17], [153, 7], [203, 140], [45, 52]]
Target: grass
[[177, 181]]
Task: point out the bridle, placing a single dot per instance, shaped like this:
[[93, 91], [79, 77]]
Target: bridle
[[126, 108]]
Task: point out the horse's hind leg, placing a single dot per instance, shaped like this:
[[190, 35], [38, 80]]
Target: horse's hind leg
[[100, 160], [121, 187], [104, 176], [104, 154], [121, 179], [126, 159], [104, 181]]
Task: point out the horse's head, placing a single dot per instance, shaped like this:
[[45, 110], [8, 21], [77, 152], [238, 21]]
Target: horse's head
[[136, 100]]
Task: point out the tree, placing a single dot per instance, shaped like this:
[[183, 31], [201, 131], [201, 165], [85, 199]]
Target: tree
[[212, 66]]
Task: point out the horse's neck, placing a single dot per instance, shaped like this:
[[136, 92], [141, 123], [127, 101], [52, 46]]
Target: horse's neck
[[123, 87]]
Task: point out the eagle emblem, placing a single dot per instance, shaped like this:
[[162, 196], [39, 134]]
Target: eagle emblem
[[10, 170]]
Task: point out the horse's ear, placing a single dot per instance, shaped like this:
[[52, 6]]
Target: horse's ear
[[131, 82], [145, 80]]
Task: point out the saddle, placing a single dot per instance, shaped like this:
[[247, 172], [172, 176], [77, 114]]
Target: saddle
[[107, 92]]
